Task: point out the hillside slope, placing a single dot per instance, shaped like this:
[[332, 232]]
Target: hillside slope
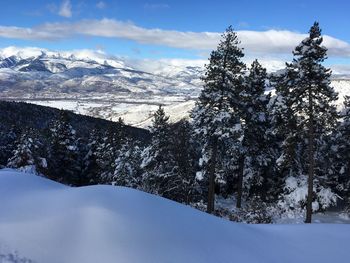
[[26, 115], [48, 222]]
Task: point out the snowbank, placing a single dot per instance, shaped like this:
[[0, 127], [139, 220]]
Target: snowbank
[[48, 222]]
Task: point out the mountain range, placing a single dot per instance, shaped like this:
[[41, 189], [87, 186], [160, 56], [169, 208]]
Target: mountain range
[[101, 86]]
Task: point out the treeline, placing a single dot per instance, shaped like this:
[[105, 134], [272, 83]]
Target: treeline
[[280, 154], [47, 144]]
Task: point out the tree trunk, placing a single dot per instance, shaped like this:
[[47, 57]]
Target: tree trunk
[[211, 192], [311, 161], [240, 181]]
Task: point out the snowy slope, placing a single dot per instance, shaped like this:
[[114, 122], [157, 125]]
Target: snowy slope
[[48, 222]]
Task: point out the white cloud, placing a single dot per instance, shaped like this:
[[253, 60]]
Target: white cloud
[[341, 69], [270, 42], [169, 66], [65, 9], [101, 5], [156, 66]]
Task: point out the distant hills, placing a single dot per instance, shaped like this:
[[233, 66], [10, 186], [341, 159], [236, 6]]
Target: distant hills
[[102, 86]]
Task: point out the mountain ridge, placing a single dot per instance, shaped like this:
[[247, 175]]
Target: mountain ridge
[[98, 85]]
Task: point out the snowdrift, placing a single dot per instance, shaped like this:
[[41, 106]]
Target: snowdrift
[[47, 222]]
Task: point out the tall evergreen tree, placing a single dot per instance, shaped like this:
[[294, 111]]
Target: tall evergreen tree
[[285, 133], [8, 140], [256, 152], [184, 152], [91, 170], [107, 150], [345, 148], [128, 165], [27, 154], [215, 116], [106, 153], [339, 155], [311, 99], [158, 161], [64, 161]]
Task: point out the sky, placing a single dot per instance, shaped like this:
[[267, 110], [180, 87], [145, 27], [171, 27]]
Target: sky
[[176, 30]]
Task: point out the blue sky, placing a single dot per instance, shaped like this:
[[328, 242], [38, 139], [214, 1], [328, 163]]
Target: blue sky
[[173, 29]]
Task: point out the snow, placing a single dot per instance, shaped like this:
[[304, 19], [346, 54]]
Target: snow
[[137, 111], [296, 195], [342, 86], [47, 222], [134, 112]]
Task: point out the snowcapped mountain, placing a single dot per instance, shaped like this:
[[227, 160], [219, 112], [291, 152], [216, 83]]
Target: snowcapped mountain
[[95, 84], [51, 75]]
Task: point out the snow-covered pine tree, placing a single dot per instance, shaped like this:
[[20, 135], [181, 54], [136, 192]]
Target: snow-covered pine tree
[[26, 155], [311, 98], [119, 133], [257, 152], [215, 115], [22, 156], [64, 159], [285, 135], [107, 150], [345, 151], [157, 158], [128, 165], [185, 156], [7, 144], [339, 155], [90, 169]]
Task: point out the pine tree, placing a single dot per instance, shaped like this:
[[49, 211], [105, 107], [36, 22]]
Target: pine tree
[[215, 116], [128, 165], [184, 152], [339, 155], [91, 170], [256, 150], [311, 99], [285, 133], [119, 133], [7, 144], [158, 161], [26, 155], [65, 162], [107, 150], [345, 147]]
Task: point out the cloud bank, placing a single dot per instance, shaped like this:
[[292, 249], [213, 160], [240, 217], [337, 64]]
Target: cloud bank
[[156, 66], [260, 42]]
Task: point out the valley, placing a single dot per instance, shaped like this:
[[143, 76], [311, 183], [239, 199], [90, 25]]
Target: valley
[[105, 87]]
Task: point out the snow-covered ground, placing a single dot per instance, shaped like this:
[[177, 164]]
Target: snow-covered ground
[[44, 221], [138, 111]]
